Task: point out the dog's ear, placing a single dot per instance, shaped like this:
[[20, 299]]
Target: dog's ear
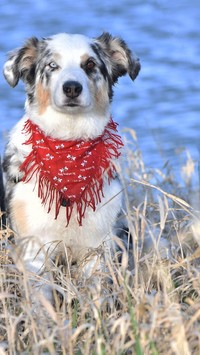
[[21, 63], [118, 57]]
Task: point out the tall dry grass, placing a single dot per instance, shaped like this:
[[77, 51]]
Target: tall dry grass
[[146, 302]]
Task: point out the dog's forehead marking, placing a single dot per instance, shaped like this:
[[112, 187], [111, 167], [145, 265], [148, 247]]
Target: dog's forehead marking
[[71, 46]]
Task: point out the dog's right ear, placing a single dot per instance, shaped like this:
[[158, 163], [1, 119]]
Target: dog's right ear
[[21, 63]]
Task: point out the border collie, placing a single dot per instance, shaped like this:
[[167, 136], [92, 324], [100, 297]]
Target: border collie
[[60, 162]]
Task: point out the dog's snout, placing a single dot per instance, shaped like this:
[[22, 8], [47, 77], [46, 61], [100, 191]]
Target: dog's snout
[[72, 89]]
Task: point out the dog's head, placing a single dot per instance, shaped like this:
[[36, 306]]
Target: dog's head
[[71, 70], [71, 74]]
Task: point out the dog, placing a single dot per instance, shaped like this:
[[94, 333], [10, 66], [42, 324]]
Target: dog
[[60, 160]]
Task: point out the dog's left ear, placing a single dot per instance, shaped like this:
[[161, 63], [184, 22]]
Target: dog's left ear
[[118, 57]]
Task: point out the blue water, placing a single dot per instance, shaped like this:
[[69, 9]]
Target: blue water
[[163, 104]]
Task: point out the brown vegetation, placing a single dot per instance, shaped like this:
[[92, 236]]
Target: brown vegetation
[[152, 305]]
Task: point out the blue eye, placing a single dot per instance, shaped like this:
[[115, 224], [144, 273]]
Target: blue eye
[[53, 65]]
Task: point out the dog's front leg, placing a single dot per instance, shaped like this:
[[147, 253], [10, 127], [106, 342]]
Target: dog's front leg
[[34, 262], [95, 269]]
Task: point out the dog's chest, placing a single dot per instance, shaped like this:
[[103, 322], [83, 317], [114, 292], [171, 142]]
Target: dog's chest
[[30, 217]]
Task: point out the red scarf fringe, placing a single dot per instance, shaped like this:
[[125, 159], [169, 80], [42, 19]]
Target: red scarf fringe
[[70, 173]]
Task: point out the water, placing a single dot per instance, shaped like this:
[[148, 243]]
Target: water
[[163, 104]]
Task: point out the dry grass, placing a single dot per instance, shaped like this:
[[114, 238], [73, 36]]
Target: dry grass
[[152, 305]]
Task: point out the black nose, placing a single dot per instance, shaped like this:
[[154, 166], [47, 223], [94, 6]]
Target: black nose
[[72, 89]]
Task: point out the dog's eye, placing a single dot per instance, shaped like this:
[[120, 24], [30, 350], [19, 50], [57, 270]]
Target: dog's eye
[[90, 64], [53, 65]]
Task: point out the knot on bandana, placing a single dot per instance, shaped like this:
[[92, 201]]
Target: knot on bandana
[[71, 173]]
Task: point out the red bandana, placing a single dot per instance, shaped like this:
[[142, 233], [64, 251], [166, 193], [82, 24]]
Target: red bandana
[[70, 172]]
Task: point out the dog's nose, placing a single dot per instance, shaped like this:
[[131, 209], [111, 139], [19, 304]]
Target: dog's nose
[[72, 89]]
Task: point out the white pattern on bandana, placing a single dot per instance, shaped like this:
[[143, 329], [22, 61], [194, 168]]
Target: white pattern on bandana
[[70, 173]]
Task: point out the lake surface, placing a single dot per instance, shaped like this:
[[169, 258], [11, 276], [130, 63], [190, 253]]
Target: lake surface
[[163, 104]]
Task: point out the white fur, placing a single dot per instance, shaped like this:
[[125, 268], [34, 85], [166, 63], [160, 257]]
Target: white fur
[[45, 234], [59, 121]]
